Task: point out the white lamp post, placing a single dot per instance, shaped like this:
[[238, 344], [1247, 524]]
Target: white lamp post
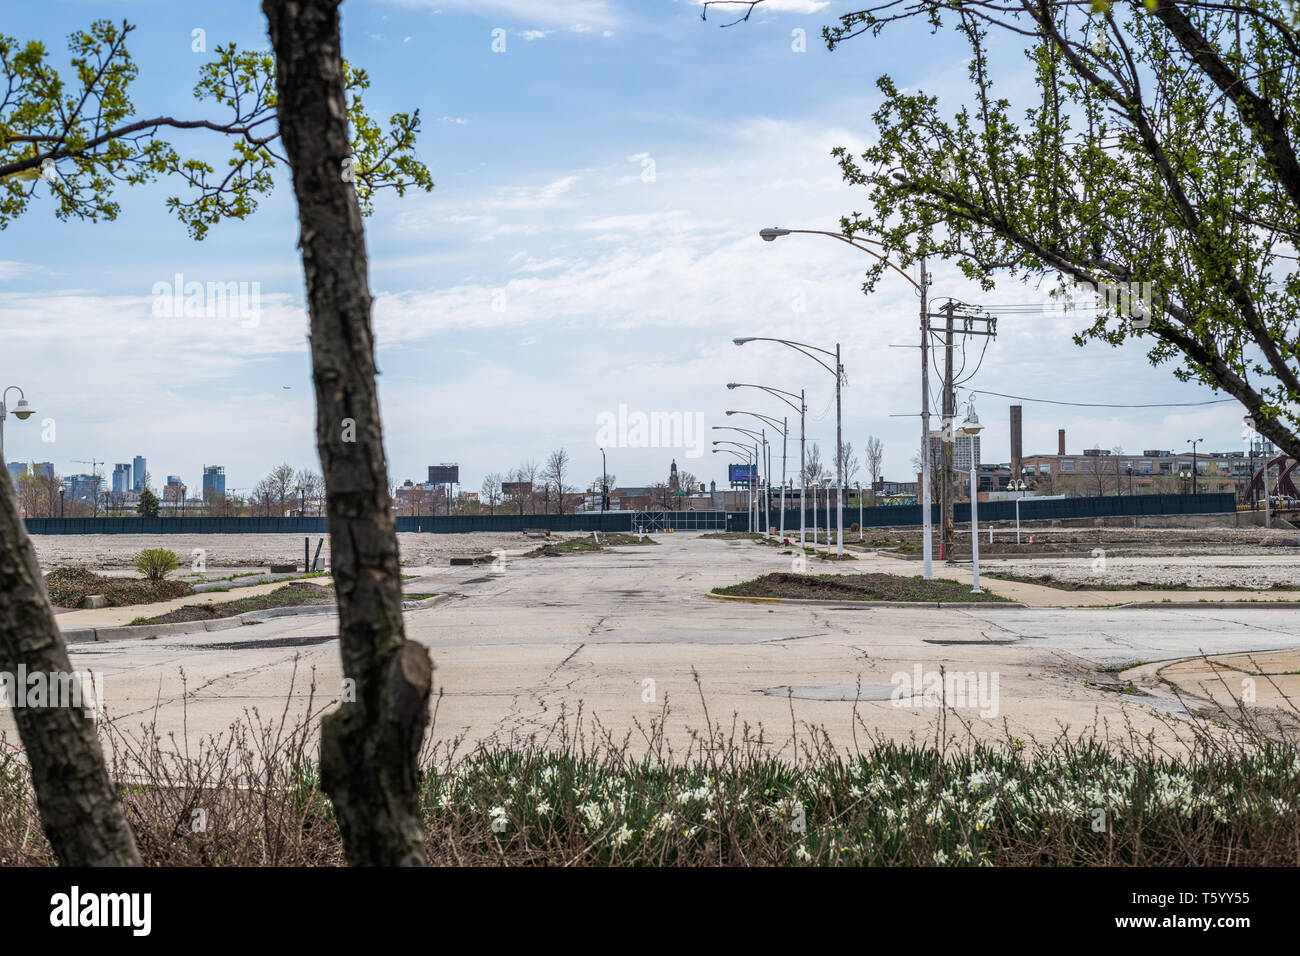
[[972, 427], [1020, 487], [22, 411], [826, 480], [860, 512]]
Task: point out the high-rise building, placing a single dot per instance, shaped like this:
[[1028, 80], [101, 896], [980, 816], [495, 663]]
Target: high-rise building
[[45, 468], [121, 478], [214, 481], [16, 470], [81, 487], [140, 469]]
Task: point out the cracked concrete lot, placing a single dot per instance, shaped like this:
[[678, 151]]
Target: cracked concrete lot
[[618, 633]]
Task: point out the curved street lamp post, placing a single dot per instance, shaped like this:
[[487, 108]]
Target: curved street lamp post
[[802, 409], [838, 372], [773, 233]]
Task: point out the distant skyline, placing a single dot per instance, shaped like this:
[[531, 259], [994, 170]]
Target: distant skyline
[[591, 243]]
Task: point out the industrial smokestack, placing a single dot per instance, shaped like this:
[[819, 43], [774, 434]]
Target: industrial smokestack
[[1060, 441], [1016, 450]]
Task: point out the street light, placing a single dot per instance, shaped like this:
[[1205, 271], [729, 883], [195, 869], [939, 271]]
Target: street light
[[802, 409], [1193, 442], [826, 480], [22, 411], [770, 234], [781, 427], [972, 427], [838, 372], [749, 461], [604, 483]]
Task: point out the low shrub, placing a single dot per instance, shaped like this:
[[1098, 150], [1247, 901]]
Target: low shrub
[[156, 563]]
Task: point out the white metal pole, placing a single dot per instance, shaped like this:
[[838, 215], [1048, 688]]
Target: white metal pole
[[814, 514], [974, 515], [839, 465], [785, 430], [828, 521], [860, 528], [925, 428], [803, 505]]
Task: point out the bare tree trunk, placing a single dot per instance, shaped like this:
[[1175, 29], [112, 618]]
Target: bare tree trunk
[[80, 811], [369, 747]]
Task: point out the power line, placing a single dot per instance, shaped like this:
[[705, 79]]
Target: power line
[[1050, 401]]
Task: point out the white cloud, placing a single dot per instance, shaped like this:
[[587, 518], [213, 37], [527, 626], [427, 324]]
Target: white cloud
[[561, 13]]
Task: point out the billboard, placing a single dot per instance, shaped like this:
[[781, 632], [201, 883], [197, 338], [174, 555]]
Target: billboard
[[742, 474], [513, 489], [444, 474]]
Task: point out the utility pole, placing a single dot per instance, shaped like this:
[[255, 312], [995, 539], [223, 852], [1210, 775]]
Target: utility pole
[[970, 316]]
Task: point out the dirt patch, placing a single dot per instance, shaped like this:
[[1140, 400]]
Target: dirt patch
[[855, 587], [588, 545]]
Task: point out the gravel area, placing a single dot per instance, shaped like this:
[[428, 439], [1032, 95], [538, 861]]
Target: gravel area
[[105, 552], [1253, 571]]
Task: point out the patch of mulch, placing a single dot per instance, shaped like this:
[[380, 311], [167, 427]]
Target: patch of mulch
[[855, 587], [68, 587]]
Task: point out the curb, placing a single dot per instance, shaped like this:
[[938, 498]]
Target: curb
[[125, 632], [855, 604], [1214, 605]]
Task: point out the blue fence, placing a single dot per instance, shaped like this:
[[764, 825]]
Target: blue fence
[[1030, 510], [435, 524], [879, 517]]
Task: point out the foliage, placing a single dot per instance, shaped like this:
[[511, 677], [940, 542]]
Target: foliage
[[148, 506], [1154, 161], [76, 137], [156, 563]]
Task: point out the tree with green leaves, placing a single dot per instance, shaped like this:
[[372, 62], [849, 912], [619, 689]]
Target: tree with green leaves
[[1151, 162], [67, 141]]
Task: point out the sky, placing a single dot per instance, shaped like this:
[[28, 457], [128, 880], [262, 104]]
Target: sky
[[588, 254]]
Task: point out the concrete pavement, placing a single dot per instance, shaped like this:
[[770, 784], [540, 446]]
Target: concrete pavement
[[619, 633]]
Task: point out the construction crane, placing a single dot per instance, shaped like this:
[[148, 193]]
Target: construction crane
[[94, 473]]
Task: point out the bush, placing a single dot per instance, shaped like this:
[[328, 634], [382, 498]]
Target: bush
[[155, 563]]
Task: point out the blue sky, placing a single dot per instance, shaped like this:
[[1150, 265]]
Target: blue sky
[[591, 243]]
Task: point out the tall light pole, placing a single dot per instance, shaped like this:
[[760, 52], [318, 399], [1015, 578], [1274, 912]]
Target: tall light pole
[[972, 427], [802, 409], [1194, 442], [780, 426], [860, 514], [751, 461], [22, 411], [771, 234], [759, 438], [838, 371], [604, 483]]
